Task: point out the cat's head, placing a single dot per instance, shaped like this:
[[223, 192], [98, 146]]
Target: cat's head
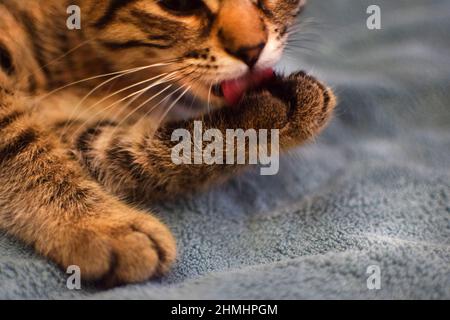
[[204, 44]]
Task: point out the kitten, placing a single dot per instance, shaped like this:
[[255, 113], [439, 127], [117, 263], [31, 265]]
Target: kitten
[[77, 149]]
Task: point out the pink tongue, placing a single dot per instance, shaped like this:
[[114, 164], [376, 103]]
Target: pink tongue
[[234, 90]]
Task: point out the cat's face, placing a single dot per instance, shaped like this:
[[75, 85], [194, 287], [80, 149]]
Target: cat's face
[[205, 43]]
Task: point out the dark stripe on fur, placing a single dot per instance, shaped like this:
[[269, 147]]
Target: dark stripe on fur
[[67, 194], [85, 140], [110, 12], [18, 145], [132, 44], [67, 123], [35, 40], [10, 118], [210, 18], [264, 9], [33, 32], [6, 61], [160, 37], [155, 24], [32, 84], [119, 155]]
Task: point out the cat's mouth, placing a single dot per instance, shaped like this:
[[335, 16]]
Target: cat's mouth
[[225, 93], [233, 90]]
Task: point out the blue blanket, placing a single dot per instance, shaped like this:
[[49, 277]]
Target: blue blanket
[[372, 194]]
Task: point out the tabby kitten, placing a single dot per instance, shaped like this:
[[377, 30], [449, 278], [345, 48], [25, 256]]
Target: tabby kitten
[[75, 153]]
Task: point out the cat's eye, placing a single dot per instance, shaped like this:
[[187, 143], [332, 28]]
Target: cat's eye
[[181, 6]]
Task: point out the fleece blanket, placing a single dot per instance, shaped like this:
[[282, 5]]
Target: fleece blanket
[[361, 213]]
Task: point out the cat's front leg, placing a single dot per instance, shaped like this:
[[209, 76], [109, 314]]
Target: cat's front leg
[[299, 106], [48, 202], [133, 163]]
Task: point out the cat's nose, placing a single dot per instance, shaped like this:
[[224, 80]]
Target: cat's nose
[[242, 30], [249, 55]]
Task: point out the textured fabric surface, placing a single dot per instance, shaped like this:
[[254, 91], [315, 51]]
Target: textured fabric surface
[[374, 189]]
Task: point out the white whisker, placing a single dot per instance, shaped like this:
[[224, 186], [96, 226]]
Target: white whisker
[[136, 95], [144, 103], [123, 72], [173, 104]]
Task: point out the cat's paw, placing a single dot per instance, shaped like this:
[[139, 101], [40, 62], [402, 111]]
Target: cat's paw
[[116, 249], [311, 105], [299, 105]]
